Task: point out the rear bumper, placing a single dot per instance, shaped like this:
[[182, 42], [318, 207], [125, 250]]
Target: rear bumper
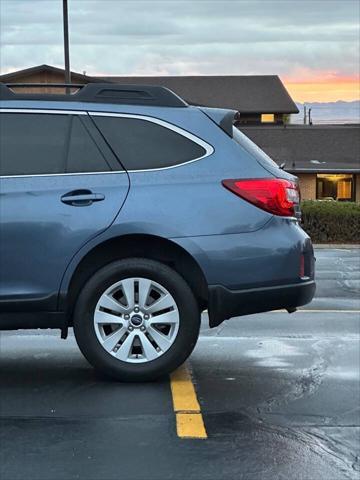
[[225, 303]]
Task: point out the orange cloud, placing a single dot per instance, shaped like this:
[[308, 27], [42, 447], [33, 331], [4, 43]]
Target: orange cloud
[[323, 87]]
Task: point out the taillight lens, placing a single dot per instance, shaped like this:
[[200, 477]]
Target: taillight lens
[[302, 266], [275, 195]]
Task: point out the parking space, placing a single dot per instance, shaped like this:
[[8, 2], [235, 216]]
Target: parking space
[[303, 387], [279, 396]]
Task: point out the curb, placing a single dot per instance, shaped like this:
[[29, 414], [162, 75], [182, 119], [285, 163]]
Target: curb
[[346, 246]]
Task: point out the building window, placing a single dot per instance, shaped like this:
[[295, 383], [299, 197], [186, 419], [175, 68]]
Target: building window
[[337, 187], [267, 118]]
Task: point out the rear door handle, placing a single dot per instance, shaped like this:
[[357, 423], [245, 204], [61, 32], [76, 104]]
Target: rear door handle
[[82, 198]]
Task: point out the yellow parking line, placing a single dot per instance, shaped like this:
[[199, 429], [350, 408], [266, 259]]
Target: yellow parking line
[[189, 420], [190, 425], [183, 391]]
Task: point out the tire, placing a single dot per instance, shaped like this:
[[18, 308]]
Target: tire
[[146, 349]]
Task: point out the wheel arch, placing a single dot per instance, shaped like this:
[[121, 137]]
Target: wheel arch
[[137, 245]]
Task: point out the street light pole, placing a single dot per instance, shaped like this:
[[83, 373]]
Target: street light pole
[[66, 42]]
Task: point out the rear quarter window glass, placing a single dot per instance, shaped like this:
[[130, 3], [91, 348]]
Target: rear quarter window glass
[[141, 144]]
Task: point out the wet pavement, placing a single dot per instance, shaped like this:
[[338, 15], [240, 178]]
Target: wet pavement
[[279, 395]]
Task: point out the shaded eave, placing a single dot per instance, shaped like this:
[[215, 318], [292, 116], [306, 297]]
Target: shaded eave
[[322, 170]]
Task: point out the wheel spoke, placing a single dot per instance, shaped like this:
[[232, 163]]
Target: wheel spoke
[[110, 342], [166, 301], [165, 318], [149, 351], [107, 318], [144, 289], [125, 350], [162, 340], [108, 302], [128, 286]]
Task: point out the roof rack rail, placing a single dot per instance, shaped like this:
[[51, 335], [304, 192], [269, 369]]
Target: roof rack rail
[[151, 95]]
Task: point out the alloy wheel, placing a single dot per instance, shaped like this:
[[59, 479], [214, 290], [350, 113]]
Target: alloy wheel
[[136, 320]]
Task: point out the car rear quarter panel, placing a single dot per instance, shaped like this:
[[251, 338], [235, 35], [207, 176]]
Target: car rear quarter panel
[[189, 200], [267, 257]]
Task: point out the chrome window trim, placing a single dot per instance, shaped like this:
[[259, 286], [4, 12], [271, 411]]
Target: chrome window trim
[[209, 149], [72, 174], [35, 110], [328, 171]]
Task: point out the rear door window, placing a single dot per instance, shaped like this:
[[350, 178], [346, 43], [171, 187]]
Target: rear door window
[[32, 144], [47, 144], [141, 144]]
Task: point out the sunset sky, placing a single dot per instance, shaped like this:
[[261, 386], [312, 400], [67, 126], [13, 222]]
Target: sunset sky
[[323, 87], [313, 45]]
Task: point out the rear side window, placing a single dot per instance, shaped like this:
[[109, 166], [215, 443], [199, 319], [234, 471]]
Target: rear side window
[[141, 144], [35, 144]]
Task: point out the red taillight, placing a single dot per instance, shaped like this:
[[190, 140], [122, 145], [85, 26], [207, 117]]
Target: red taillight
[[275, 195], [302, 266]]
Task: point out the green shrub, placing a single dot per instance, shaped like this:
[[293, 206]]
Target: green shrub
[[331, 222]]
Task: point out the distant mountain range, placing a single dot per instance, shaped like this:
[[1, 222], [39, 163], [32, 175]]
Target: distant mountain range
[[329, 112]]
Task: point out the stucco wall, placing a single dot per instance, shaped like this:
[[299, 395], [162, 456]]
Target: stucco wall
[[43, 77], [307, 183]]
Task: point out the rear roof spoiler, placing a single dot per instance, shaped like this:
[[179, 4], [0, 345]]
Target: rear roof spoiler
[[222, 117]]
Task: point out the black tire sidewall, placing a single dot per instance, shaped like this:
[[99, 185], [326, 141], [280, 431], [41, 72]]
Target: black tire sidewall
[[84, 319]]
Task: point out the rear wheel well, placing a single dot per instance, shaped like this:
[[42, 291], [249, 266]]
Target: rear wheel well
[[138, 245]]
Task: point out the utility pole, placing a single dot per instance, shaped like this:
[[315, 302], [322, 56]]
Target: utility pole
[[66, 42]]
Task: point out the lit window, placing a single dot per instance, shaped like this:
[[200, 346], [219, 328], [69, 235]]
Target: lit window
[[267, 118], [335, 187]]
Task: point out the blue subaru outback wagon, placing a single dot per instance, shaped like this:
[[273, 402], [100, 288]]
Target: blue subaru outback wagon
[[125, 213]]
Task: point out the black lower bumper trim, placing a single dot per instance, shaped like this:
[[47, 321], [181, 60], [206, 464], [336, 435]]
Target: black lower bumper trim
[[225, 303]]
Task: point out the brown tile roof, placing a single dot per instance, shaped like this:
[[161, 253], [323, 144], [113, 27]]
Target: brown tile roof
[[305, 148], [246, 93]]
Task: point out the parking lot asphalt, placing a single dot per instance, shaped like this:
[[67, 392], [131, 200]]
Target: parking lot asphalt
[[279, 396]]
